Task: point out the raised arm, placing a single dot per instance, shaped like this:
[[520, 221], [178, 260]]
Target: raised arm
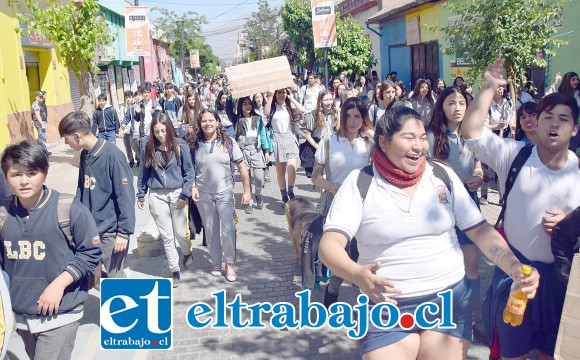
[[268, 106], [472, 124]]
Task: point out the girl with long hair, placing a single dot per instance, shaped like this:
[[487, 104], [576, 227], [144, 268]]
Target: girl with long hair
[[348, 149], [386, 99], [189, 112], [258, 103], [281, 108], [446, 144], [401, 91], [439, 86], [168, 174], [526, 118], [421, 100], [251, 138], [215, 154], [323, 121], [220, 107]]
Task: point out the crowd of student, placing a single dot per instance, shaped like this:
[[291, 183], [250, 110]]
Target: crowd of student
[[412, 232]]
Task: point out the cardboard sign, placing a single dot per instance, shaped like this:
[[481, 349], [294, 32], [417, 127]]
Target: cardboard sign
[[569, 333], [260, 76]]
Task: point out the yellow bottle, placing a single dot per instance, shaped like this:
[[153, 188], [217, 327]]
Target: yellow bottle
[[515, 308]]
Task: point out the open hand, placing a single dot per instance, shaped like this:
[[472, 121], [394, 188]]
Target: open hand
[[495, 74], [374, 286]]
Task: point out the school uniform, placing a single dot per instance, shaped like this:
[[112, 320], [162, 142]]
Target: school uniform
[[106, 123]]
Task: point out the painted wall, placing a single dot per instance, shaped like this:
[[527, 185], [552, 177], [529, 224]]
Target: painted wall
[[395, 54], [362, 17], [15, 88], [566, 58]]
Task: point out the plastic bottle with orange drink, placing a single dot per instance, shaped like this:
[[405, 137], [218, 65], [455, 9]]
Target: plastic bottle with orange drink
[[515, 308]]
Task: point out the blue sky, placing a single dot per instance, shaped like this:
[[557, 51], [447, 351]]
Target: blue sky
[[225, 18]]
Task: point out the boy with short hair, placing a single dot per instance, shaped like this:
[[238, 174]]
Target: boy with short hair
[[105, 120], [130, 128], [105, 186], [48, 278], [171, 104]]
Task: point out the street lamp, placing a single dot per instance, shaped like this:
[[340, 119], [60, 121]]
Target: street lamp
[[180, 23]]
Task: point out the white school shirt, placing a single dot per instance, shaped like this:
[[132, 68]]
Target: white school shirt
[[281, 119], [420, 254], [535, 190], [344, 157]]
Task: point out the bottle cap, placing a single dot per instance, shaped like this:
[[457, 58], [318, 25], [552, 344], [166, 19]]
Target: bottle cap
[[527, 269]]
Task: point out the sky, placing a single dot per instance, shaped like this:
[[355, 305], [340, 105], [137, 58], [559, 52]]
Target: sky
[[225, 19]]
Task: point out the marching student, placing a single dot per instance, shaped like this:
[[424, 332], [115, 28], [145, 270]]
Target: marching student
[[105, 120], [48, 278], [168, 174], [105, 186], [129, 128]]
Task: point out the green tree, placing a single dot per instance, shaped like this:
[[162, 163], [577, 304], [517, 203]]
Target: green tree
[[297, 23], [353, 52], [261, 30], [76, 29], [518, 31]]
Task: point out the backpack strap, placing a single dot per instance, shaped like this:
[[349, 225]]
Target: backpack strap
[[326, 140], [363, 181], [515, 168], [63, 214], [441, 174]]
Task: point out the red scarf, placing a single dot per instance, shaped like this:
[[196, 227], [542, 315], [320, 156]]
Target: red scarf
[[393, 174]]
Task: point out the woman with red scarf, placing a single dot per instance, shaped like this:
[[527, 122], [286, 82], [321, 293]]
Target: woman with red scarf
[[408, 248]]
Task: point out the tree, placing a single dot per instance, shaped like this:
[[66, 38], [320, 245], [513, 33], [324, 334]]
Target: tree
[[353, 52], [77, 29], [297, 23], [261, 29], [521, 32]]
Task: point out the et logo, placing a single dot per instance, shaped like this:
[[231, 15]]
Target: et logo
[[136, 314]]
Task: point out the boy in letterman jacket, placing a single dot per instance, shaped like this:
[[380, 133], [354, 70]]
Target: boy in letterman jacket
[[48, 278], [105, 186]]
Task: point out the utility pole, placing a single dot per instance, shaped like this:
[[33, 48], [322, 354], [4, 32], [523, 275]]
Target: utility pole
[[141, 62], [180, 23]]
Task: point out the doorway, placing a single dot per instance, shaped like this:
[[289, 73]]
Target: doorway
[[424, 62]]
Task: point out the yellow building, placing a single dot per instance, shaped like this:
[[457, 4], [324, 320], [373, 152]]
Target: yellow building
[[28, 64]]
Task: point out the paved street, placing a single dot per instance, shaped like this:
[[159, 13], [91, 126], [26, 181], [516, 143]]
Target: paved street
[[267, 271]]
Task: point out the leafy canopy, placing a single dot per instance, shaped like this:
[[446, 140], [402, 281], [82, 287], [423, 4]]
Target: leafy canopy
[[521, 32], [76, 29], [261, 30]]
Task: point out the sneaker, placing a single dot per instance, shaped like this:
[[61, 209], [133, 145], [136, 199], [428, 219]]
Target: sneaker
[[259, 203], [285, 199], [176, 276], [131, 163], [249, 209], [187, 261], [483, 201], [216, 270], [329, 298], [230, 273]]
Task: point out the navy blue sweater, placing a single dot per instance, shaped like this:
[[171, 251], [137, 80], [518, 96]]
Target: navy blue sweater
[[35, 252], [105, 186], [170, 176], [105, 120]]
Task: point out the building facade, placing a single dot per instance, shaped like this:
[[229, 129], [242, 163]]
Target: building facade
[[27, 64]]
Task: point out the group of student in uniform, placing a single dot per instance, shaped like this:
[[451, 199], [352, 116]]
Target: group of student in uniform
[[192, 156]]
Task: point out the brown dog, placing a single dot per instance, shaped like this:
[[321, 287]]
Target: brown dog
[[300, 213]]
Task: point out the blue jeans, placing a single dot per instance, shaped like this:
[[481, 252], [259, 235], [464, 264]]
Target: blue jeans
[[41, 134], [109, 136]]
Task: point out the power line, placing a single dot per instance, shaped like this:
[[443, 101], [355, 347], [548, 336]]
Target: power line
[[240, 4], [192, 4]]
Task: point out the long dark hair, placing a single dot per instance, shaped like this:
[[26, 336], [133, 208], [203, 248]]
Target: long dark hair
[[170, 143], [218, 104], [352, 103], [273, 108], [438, 124], [239, 107], [194, 138], [565, 86], [417, 90], [529, 107], [188, 117]]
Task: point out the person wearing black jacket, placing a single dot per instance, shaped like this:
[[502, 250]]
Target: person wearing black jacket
[[48, 277], [171, 105], [105, 120], [105, 186]]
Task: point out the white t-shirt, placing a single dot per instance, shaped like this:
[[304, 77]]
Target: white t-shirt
[[535, 190], [420, 253], [281, 120], [310, 96], [344, 157]]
